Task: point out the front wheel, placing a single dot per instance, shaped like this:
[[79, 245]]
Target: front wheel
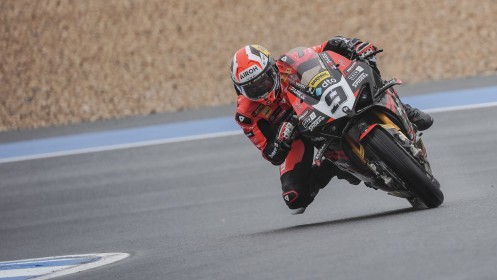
[[424, 187]]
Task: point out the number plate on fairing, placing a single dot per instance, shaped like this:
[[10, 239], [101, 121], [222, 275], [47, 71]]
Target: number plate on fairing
[[337, 101]]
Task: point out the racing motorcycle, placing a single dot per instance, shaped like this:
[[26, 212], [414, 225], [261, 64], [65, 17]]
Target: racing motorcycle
[[357, 121]]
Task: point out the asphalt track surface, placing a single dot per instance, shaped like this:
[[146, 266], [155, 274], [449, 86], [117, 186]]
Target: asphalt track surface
[[212, 209]]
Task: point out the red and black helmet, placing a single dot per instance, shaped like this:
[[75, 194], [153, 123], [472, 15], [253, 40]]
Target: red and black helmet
[[254, 72]]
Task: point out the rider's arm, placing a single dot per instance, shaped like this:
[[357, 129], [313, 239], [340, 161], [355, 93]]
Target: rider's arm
[[348, 47], [351, 48], [262, 135]]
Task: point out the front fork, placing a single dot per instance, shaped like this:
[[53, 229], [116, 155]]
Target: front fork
[[415, 147]]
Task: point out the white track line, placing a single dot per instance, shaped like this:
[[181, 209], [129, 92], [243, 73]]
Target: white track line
[[192, 138], [459, 108], [121, 146]]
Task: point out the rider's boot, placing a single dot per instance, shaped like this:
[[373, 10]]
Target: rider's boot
[[349, 177], [323, 174], [419, 118], [298, 211], [320, 176]]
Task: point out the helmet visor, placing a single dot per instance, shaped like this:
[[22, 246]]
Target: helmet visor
[[261, 86]]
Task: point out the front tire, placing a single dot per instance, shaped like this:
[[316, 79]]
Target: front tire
[[380, 143]]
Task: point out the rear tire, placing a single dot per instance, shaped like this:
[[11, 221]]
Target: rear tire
[[382, 145]]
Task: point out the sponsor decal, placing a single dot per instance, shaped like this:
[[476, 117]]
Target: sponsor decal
[[308, 120], [328, 82], [273, 153], [350, 68], [318, 92], [297, 106], [277, 114], [305, 113], [266, 112], [242, 119], [299, 86], [262, 50], [326, 57], [293, 77], [295, 91], [322, 64], [316, 123], [360, 79], [318, 79], [356, 72], [290, 196], [250, 134], [256, 112], [287, 59], [249, 73], [323, 86]]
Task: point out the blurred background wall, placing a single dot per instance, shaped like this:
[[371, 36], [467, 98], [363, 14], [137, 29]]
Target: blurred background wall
[[67, 61]]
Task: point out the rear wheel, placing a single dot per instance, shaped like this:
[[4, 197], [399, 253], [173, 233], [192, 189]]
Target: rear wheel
[[426, 188]]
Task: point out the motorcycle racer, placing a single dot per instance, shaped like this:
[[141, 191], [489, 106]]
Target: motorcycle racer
[[264, 114]]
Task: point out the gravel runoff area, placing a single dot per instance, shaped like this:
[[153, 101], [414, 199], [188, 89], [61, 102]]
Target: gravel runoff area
[[71, 61]]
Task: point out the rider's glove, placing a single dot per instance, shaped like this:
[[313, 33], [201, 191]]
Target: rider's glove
[[362, 49], [351, 48], [277, 150], [285, 135]]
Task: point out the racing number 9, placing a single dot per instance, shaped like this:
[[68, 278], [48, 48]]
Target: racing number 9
[[336, 98]]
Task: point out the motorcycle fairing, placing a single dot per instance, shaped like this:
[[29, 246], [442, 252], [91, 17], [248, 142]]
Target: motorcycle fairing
[[331, 96], [317, 86]]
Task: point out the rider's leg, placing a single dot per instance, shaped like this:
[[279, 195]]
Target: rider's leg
[[295, 175], [301, 180], [321, 175]]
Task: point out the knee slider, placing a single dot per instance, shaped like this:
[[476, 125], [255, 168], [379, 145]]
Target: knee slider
[[296, 199]]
